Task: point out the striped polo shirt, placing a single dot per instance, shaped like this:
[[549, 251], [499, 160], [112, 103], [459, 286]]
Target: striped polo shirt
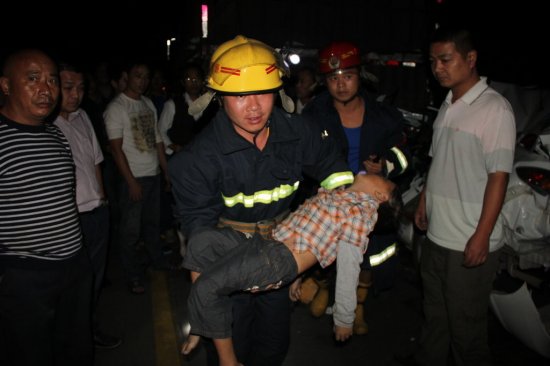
[[38, 213], [473, 137]]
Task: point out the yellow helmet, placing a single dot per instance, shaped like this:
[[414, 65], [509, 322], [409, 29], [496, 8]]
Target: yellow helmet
[[245, 66]]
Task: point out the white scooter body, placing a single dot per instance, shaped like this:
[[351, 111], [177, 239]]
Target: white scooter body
[[527, 246], [526, 212]]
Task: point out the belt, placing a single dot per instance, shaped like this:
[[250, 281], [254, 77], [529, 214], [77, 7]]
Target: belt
[[262, 227]]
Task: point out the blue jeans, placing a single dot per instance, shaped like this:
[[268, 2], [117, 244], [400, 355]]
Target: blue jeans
[[229, 263], [140, 219]]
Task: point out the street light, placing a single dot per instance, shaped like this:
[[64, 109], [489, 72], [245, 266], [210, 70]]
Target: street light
[[204, 20], [168, 44]]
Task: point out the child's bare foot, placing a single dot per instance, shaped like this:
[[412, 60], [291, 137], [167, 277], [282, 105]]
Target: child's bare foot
[[190, 344]]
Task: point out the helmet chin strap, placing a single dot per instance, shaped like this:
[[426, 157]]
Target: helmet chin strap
[[288, 105], [258, 133]]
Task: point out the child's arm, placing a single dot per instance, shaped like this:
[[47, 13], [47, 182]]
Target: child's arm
[[347, 278]]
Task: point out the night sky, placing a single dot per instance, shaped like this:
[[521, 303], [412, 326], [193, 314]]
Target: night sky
[[515, 34], [96, 29]]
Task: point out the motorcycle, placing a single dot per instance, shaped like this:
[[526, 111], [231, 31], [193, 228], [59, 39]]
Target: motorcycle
[[418, 129], [526, 210], [526, 253]]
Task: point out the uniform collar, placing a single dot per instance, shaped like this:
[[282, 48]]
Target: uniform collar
[[231, 141]]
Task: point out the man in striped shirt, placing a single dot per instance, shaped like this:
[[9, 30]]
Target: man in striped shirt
[[45, 286]]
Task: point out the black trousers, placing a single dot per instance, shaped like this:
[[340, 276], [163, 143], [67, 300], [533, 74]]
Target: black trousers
[[258, 320], [45, 315]]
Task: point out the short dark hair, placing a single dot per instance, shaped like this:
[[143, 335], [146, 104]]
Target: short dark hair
[[69, 66], [462, 38], [389, 213], [193, 66], [135, 62]]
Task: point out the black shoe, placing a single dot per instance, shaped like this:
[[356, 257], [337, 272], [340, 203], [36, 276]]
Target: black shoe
[[106, 341]]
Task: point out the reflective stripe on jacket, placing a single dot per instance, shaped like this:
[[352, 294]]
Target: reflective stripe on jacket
[[222, 174]]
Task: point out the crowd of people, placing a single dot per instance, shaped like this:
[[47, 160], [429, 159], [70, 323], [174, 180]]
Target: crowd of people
[[264, 189]]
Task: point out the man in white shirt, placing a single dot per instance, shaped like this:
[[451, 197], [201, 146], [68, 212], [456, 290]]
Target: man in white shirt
[[131, 124], [90, 195], [178, 127], [472, 154]]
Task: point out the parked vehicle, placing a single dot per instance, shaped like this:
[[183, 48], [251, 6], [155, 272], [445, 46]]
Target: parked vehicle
[[526, 210], [418, 129]]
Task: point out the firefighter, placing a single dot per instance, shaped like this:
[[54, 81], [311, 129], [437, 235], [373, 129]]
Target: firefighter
[[243, 171], [370, 135]]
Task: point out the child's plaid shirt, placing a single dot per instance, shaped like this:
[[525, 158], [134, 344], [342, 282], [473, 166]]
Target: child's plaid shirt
[[328, 218]]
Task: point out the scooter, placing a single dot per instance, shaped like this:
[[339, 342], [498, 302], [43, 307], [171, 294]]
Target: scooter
[[526, 254], [418, 129], [526, 210]]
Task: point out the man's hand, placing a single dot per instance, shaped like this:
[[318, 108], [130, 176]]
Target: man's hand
[[190, 344], [295, 290], [476, 251], [420, 217], [135, 190], [167, 184], [374, 164], [342, 334]]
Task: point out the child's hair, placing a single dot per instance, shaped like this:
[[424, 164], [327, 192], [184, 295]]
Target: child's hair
[[388, 214]]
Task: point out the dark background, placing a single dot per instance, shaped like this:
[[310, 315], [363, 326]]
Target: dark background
[[514, 36]]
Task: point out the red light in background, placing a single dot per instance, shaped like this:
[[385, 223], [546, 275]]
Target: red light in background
[[536, 178], [394, 63]]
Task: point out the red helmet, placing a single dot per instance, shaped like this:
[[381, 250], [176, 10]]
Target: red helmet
[[338, 56]]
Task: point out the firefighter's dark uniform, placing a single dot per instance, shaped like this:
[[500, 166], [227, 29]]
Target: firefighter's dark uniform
[[381, 134], [221, 175]]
